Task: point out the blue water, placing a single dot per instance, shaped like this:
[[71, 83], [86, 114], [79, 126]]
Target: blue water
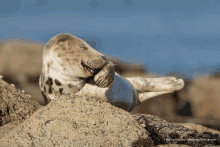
[[165, 36]]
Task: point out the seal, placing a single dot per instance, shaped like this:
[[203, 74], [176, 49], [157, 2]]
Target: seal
[[68, 62], [71, 66]]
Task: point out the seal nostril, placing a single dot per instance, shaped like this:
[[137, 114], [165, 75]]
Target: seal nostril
[[103, 57]]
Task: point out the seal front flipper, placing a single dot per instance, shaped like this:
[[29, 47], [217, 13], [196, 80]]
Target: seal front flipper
[[105, 77]]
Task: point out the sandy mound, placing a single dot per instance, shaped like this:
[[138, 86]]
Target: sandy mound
[[15, 105], [79, 121]]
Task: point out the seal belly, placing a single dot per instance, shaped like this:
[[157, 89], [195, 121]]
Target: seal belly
[[122, 94]]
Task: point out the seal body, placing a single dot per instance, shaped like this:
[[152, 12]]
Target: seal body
[[71, 66], [122, 93]]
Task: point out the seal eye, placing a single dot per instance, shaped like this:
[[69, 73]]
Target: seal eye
[[83, 47]]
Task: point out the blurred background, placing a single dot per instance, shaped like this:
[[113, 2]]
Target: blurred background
[[143, 38]]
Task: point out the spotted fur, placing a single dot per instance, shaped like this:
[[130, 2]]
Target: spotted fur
[[71, 66], [67, 62]]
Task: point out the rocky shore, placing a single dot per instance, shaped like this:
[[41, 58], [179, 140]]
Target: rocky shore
[[71, 120]]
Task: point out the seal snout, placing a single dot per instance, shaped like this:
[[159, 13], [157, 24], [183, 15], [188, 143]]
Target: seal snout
[[93, 71], [97, 62], [94, 66]]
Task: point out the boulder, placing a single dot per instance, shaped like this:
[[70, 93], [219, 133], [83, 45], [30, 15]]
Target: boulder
[[15, 105], [71, 120]]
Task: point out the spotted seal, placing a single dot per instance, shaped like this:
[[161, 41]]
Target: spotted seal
[[71, 66]]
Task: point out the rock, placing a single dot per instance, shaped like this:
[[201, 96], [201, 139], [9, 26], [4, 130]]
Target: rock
[[14, 105], [77, 121], [20, 64], [200, 128], [204, 97], [72, 120], [173, 145], [164, 132], [8, 128]]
